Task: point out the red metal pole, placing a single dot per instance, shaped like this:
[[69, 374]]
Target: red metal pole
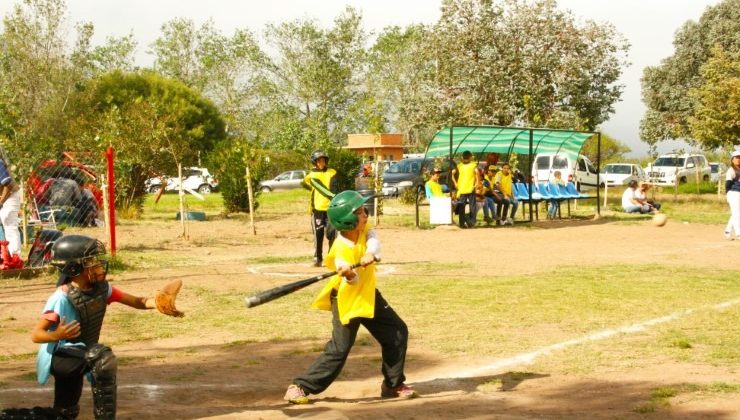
[[109, 153]]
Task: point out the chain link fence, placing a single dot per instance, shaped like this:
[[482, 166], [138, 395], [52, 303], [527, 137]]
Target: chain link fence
[[68, 195]]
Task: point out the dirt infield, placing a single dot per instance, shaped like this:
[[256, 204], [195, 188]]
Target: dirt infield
[[224, 386]]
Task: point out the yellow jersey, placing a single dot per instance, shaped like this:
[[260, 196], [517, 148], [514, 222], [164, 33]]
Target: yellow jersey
[[466, 177], [319, 182], [353, 300]]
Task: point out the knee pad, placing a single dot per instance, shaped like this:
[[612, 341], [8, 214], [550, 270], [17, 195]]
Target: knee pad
[[103, 367]]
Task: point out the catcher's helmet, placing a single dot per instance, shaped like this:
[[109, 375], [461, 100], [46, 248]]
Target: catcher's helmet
[[316, 154], [70, 251], [342, 209]]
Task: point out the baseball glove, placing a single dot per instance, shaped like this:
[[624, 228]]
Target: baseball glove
[[165, 299]]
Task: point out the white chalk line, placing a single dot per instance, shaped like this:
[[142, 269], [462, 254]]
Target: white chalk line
[[382, 269], [152, 390], [530, 357]]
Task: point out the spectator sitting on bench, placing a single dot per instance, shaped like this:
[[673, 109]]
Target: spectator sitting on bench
[[630, 204], [432, 187]]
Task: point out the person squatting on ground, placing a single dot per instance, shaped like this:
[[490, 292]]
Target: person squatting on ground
[[641, 197], [70, 324], [321, 182], [353, 299], [505, 184], [557, 179], [732, 186], [465, 183], [10, 201], [630, 204]]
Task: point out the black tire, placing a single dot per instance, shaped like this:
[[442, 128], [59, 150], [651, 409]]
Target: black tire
[[682, 180], [205, 189], [154, 189], [705, 178], [265, 189]]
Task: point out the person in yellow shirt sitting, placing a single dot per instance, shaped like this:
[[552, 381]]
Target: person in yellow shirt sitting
[[505, 184], [352, 298], [432, 187]]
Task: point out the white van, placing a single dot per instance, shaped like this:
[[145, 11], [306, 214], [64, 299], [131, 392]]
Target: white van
[[579, 171]]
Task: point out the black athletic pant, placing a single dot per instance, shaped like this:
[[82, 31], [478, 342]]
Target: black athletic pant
[[69, 371], [387, 327], [321, 227], [503, 206], [467, 219]]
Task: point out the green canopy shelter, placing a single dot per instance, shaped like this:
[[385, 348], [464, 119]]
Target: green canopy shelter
[[481, 140]]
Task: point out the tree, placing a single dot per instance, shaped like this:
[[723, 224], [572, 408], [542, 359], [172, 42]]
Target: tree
[[506, 62], [716, 118], [667, 88], [154, 123], [39, 73], [319, 74], [612, 150]]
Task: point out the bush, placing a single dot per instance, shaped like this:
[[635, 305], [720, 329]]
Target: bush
[[229, 161], [346, 163]]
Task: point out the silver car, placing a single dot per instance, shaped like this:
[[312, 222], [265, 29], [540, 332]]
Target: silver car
[[287, 180]]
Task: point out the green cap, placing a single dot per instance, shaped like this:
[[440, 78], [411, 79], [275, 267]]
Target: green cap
[[342, 209]]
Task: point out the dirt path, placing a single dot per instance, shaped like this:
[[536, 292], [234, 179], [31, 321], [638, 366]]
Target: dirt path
[[226, 388]]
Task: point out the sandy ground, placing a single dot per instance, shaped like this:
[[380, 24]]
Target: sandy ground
[[248, 392]]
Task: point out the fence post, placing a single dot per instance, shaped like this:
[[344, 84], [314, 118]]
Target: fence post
[[109, 156], [250, 197], [24, 215]]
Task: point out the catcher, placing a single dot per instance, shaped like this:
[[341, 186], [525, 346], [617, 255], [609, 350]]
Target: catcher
[[70, 325]]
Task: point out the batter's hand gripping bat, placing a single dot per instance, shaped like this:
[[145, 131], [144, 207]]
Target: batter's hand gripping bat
[[286, 289]]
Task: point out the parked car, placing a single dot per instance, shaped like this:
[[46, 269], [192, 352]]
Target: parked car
[[411, 173], [287, 180], [714, 174], [620, 174], [196, 179], [672, 167], [579, 171]]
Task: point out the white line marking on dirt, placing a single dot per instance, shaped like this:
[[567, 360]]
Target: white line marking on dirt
[[524, 358], [261, 270], [529, 357]]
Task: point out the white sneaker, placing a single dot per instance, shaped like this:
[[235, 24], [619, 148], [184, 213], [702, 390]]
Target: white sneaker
[[510, 221], [728, 236]]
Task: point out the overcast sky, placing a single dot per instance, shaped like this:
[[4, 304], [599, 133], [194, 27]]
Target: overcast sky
[[649, 26]]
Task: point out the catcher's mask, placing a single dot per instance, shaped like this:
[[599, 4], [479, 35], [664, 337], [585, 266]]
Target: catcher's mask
[[318, 154], [72, 254], [342, 209]]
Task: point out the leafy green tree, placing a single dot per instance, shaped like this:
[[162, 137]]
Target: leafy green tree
[[319, 74], [667, 88], [39, 74], [716, 121], [612, 150], [506, 62], [154, 123]]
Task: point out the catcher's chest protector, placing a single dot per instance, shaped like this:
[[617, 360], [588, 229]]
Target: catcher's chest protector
[[90, 306]]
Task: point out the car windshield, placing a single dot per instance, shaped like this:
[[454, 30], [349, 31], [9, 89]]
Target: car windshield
[[669, 161], [618, 169], [405, 167]]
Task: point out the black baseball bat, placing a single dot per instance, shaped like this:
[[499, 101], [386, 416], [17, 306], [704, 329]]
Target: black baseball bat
[[286, 289]]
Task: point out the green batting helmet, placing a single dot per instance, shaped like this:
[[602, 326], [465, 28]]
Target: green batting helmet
[[342, 209]]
